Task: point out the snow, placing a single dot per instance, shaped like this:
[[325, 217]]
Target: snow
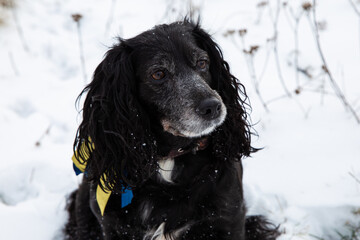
[[303, 179]]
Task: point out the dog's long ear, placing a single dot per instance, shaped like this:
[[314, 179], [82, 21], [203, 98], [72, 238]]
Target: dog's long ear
[[232, 139], [114, 136]]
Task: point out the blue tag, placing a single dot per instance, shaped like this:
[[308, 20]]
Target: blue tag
[[126, 197], [76, 169]]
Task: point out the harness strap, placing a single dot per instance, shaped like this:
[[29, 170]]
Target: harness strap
[[102, 197]]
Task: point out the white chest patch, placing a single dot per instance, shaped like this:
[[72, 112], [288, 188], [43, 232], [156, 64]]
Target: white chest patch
[[166, 166], [158, 234]]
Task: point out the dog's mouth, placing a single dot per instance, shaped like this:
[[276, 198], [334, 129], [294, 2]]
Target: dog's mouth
[[170, 129], [192, 127]]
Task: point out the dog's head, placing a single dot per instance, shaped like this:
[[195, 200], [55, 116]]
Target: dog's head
[[172, 76], [175, 82]]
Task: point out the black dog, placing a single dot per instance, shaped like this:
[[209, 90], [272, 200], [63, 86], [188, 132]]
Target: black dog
[[165, 127]]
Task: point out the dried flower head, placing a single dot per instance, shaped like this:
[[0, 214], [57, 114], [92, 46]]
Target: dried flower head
[[242, 32], [262, 4], [5, 7], [306, 6], [356, 211], [323, 67], [76, 17], [298, 91], [306, 71], [229, 32], [252, 50], [7, 3]]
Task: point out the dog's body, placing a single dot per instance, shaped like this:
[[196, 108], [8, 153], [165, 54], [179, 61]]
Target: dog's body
[[166, 120]]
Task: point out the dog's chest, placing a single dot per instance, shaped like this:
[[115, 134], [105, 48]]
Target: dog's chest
[[185, 192], [184, 170], [166, 170], [178, 183]]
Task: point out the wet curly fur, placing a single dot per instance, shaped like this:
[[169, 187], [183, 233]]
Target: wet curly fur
[[165, 89]]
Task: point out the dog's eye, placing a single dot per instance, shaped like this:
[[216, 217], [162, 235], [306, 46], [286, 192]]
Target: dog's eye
[[201, 64], [158, 75]]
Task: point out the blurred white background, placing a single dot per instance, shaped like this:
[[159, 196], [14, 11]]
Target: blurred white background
[[299, 62]]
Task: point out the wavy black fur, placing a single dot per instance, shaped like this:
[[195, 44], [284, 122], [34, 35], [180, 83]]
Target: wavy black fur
[[123, 115]]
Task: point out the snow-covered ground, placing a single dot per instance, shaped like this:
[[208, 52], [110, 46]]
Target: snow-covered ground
[[305, 178]]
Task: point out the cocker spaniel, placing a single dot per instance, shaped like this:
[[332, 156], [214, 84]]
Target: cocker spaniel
[[163, 133]]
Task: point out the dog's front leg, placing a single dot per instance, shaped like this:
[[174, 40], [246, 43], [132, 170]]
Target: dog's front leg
[[117, 222], [208, 230], [106, 222]]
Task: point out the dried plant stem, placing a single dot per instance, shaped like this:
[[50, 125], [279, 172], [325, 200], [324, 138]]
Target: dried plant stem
[[295, 27], [277, 61], [168, 11], [356, 101], [265, 65], [252, 72], [191, 9], [32, 174], [13, 64], [334, 85], [321, 90], [276, 99], [81, 51], [249, 59], [359, 34], [275, 20], [296, 54], [353, 176], [19, 29], [296, 43], [111, 17], [39, 141], [357, 11]]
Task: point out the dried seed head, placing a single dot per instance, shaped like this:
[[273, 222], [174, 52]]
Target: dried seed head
[[242, 32], [298, 91], [356, 211], [229, 32], [322, 25], [262, 4], [252, 50], [323, 67], [76, 17], [7, 3], [306, 6]]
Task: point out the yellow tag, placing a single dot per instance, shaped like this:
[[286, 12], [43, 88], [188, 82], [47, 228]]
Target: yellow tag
[[102, 197]]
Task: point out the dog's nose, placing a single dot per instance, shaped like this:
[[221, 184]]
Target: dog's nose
[[209, 108]]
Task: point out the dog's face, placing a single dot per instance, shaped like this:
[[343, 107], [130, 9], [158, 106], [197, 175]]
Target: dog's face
[[175, 81], [171, 78]]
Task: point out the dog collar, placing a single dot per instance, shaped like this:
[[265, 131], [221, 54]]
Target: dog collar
[[201, 144], [102, 197]]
